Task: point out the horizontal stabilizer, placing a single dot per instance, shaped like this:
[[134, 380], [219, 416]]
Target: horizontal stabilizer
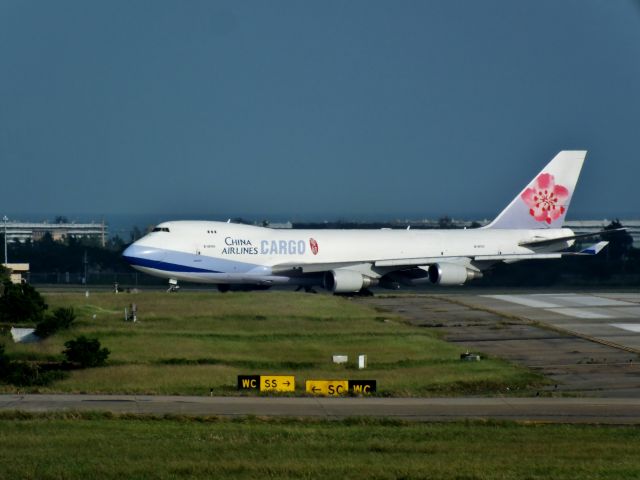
[[594, 249]]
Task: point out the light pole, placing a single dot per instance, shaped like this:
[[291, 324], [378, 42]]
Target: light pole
[[5, 220]]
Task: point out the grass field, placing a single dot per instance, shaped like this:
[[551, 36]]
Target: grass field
[[191, 342], [99, 446]]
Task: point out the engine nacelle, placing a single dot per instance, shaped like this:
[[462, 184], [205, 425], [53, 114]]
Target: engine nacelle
[[346, 281], [451, 274]]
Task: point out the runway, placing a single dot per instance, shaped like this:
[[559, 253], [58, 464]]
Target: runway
[[586, 343], [612, 411]]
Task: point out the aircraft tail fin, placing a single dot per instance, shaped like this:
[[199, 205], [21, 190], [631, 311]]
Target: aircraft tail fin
[[544, 202]]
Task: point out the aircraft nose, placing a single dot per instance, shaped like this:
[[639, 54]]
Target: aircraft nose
[[129, 253], [143, 256]]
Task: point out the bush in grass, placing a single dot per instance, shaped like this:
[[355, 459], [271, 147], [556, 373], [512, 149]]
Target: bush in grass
[[26, 374], [86, 352], [21, 303], [29, 374], [61, 319], [4, 363], [23, 374]]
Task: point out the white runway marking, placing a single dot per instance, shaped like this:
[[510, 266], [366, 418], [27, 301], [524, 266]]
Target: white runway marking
[[631, 327], [578, 313], [526, 301], [591, 301], [554, 300], [571, 304]]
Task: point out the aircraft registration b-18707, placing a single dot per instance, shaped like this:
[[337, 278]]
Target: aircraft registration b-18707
[[347, 261]]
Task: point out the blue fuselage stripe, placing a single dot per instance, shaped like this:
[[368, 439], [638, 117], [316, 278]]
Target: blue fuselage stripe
[[165, 266]]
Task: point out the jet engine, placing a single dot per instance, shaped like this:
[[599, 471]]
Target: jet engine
[[347, 281], [451, 274]]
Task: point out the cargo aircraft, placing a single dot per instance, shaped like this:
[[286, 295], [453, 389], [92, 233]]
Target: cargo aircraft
[[349, 261]]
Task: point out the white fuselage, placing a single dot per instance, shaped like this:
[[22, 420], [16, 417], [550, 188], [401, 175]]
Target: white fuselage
[[217, 252]]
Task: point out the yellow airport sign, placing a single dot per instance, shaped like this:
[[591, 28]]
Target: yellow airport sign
[[362, 387], [267, 383], [277, 383], [327, 387], [248, 382]]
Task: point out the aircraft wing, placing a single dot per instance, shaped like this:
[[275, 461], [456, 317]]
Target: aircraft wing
[[422, 261], [413, 262], [312, 267], [551, 241]]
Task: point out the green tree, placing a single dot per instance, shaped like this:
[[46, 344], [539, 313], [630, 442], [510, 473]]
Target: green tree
[[116, 244], [445, 222], [4, 275], [86, 352], [135, 234], [21, 303], [620, 242], [46, 240]]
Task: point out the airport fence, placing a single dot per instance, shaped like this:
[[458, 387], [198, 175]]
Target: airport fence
[[132, 279]]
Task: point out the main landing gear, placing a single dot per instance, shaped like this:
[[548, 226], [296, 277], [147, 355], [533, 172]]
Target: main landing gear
[[173, 285], [306, 289]]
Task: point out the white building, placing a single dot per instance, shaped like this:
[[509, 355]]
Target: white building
[[32, 231]]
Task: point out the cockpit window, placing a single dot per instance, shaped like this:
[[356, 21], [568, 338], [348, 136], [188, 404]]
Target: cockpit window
[[160, 229]]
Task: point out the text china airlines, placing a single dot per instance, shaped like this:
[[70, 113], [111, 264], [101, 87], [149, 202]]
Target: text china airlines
[[243, 246]]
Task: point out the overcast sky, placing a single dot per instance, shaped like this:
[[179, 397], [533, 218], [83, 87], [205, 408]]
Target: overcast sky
[[299, 108]]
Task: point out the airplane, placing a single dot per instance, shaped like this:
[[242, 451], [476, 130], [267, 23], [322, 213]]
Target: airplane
[[350, 261]]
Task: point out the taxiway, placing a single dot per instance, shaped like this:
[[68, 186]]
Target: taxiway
[[556, 410]]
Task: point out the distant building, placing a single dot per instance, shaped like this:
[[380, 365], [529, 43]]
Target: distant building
[[28, 231], [17, 271]]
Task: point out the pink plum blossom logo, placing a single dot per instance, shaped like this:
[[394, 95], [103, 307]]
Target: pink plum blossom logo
[[314, 246], [545, 199]]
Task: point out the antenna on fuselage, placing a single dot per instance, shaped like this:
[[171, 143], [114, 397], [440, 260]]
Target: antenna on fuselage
[[228, 220]]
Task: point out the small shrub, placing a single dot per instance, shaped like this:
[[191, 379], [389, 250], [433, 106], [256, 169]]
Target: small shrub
[[86, 352], [61, 319]]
